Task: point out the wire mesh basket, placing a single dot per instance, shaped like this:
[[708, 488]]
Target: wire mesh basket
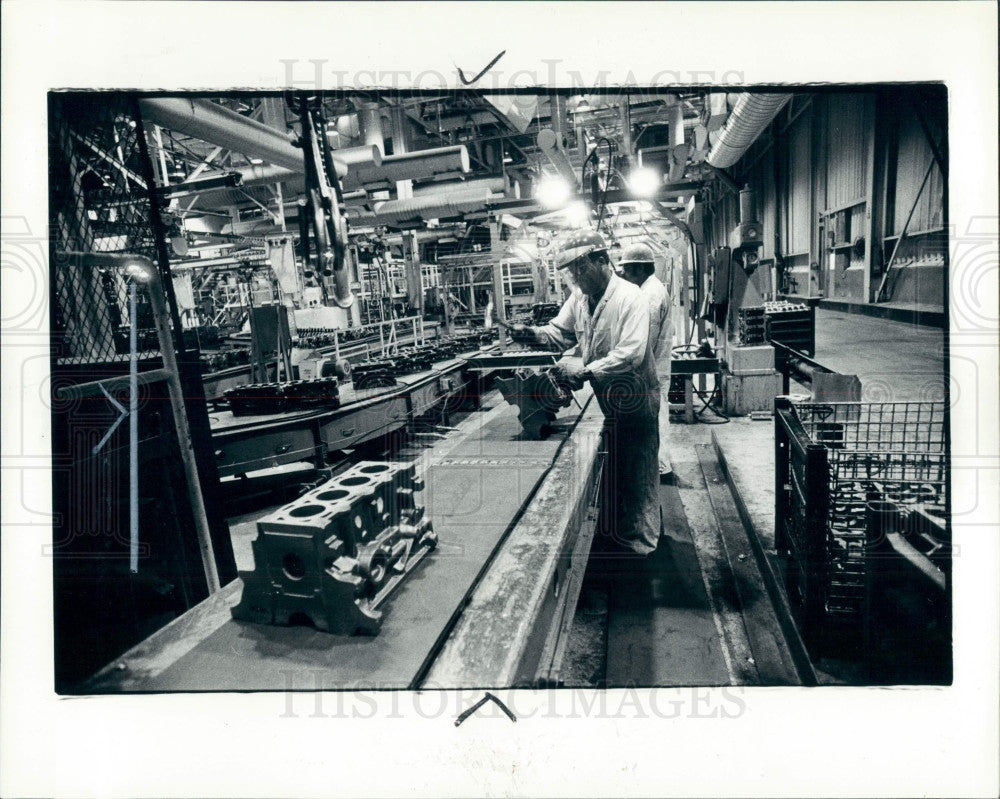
[[891, 451]]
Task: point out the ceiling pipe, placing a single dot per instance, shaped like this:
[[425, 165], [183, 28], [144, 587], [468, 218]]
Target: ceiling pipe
[[422, 208], [370, 125], [367, 157], [751, 115], [497, 185], [216, 125], [418, 165], [255, 175]]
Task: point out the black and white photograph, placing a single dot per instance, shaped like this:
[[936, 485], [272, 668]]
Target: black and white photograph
[[458, 395], [499, 391]]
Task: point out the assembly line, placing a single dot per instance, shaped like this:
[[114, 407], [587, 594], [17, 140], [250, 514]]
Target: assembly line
[[433, 390]]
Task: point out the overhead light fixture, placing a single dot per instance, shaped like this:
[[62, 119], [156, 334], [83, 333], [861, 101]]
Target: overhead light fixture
[[577, 213], [644, 181], [579, 105], [553, 192]]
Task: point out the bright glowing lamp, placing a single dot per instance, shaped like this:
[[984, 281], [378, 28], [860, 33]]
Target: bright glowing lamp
[[644, 181], [553, 191], [577, 213]]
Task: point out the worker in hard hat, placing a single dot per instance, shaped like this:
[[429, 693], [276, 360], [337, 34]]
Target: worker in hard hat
[[636, 265], [608, 319]]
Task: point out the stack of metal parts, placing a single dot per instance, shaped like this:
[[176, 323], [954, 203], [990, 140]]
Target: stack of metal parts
[[373, 373], [384, 371], [377, 372], [751, 326], [257, 399], [791, 324], [905, 483], [334, 555], [783, 306], [538, 397], [313, 337]]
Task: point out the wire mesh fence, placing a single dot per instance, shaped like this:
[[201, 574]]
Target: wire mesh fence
[[99, 202]]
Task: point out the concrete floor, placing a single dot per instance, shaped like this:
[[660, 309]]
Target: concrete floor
[[894, 361], [661, 626]]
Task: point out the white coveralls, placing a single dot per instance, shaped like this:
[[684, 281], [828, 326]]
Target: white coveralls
[[614, 344], [661, 337]]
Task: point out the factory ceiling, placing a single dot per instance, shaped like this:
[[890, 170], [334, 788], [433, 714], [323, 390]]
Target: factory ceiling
[[502, 147]]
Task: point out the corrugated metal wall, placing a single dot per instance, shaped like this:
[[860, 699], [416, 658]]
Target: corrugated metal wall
[[824, 162], [913, 158], [849, 119], [799, 187]]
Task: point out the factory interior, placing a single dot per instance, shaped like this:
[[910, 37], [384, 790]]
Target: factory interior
[[302, 440]]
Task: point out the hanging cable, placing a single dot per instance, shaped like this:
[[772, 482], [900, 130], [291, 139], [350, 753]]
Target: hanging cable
[[593, 156]]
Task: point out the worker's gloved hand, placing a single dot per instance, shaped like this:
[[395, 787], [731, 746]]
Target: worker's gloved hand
[[569, 375], [522, 333]]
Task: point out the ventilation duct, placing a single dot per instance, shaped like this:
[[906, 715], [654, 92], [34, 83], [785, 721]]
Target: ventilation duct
[[751, 115], [369, 120], [354, 157], [497, 185], [216, 125], [449, 204], [418, 165]]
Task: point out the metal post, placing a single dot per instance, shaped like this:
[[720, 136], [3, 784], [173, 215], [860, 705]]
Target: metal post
[[499, 307], [142, 269], [499, 310], [902, 233], [133, 430]]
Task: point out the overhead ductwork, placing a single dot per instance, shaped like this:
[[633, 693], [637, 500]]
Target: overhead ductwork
[[497, 185], [216, 125], [751, 115], [257, 175], [414, 209], [418, 165], [369, 122], [262, 174]]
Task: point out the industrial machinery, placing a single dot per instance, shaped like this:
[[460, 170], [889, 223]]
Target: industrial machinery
[[538, 397], [334, 555], [747, 237], [324, 200]]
